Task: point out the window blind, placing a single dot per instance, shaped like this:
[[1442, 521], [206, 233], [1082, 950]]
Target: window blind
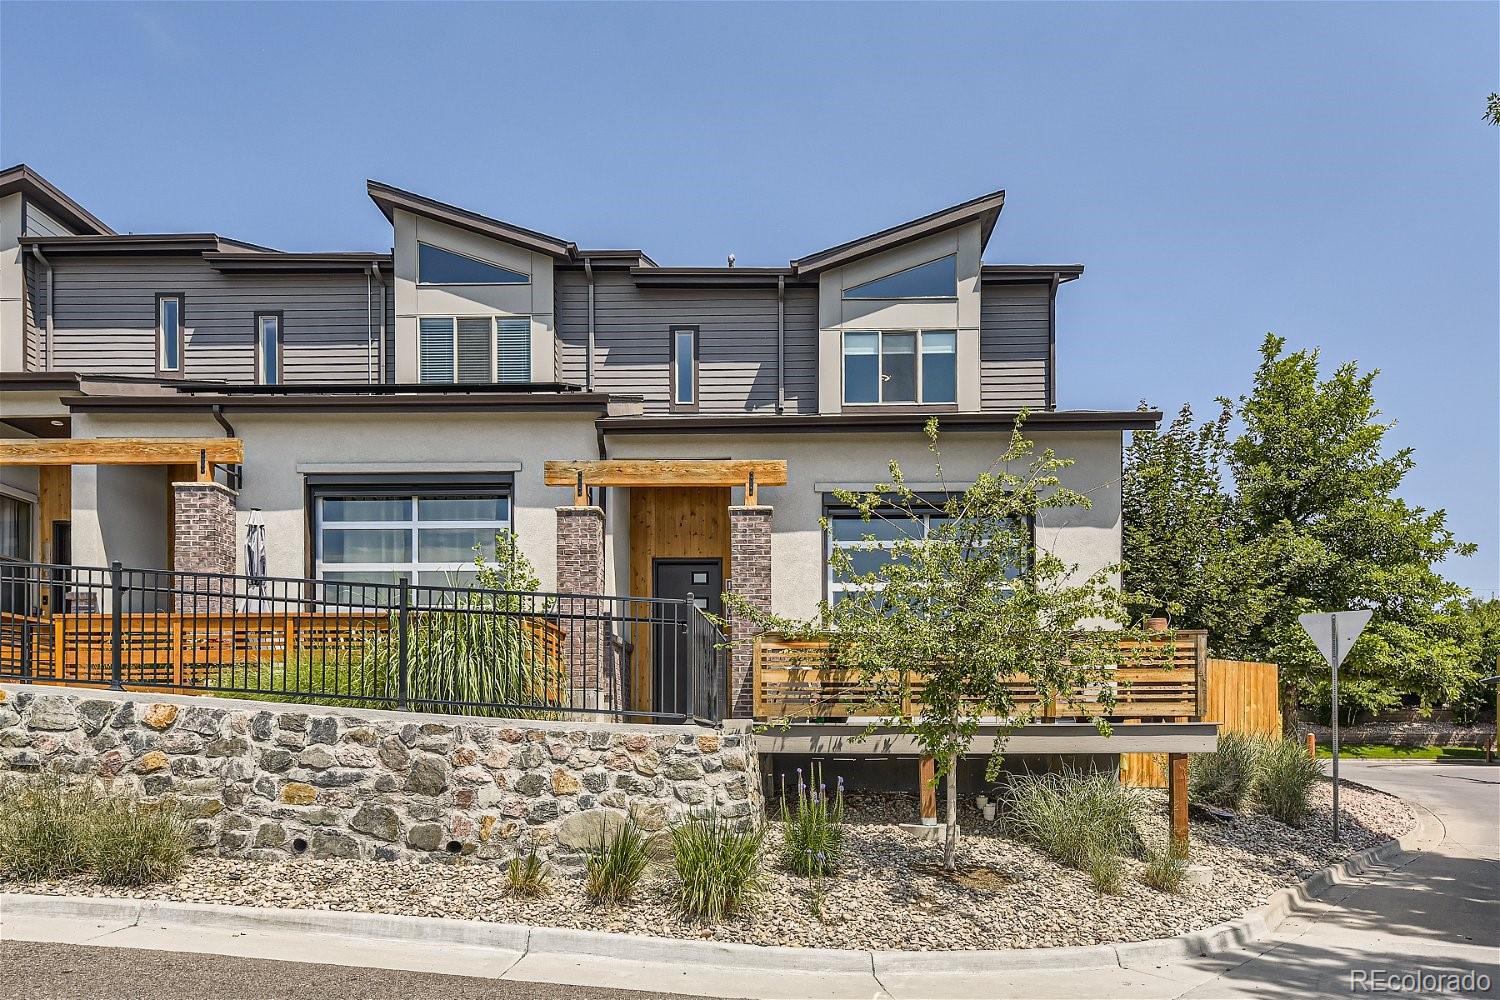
[[474, 364], [435, 349], [513, 337]]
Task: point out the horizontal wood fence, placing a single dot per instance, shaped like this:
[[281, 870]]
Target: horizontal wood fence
[[1240, 695], [799, 680]]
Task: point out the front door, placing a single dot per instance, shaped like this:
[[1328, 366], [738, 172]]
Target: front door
[[702, 580]]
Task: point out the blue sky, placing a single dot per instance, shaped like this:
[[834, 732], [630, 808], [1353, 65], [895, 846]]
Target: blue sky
[[1223, 170]]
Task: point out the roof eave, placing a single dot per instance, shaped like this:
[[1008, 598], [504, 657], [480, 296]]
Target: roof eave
[[389, 198], [986, 208], [34, 186]]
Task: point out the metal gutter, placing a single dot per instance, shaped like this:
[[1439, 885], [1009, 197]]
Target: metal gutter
[[1078, 420], [36, 252]]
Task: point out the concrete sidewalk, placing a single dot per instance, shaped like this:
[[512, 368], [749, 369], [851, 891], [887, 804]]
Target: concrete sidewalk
[[1431, 908]]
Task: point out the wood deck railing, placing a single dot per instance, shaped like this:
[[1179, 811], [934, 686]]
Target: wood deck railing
[[171, 650], [1163, 681]]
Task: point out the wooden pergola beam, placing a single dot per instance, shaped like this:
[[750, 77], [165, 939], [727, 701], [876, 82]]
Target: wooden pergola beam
[[750, 473], [200, 453]]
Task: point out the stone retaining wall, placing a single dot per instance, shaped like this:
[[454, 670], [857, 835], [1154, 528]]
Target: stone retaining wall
[[1407, 733], [267, 780]]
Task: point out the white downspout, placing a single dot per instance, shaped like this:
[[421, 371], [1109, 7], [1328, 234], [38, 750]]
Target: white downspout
[[36, 252]]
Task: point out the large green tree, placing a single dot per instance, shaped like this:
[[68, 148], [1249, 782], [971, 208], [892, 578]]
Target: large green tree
[[1184, 535], [1318, 493]]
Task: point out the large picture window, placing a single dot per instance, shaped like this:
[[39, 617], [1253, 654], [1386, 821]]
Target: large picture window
[[474, 349], [900, 366], [871, 544], [389, 534]]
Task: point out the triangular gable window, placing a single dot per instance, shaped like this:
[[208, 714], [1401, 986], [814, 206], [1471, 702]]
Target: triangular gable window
[[936, 279], [437, 266]]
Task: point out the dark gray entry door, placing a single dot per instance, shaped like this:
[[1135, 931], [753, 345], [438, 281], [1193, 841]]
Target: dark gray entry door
[[703, 579]]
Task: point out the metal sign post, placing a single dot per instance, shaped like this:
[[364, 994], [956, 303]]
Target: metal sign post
[[1335, 633]]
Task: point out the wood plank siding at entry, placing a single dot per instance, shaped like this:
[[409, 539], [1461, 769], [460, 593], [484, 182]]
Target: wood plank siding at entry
[[667, 472], [121, 451]]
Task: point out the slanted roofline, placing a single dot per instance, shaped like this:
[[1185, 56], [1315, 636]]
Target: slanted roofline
[[34, 187], [986, 208], [388, 199]]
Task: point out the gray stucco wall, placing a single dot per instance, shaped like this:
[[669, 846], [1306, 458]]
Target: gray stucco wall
[[282, 449], [105, 318], [1014, 346], [1089, 539], [736, 341]]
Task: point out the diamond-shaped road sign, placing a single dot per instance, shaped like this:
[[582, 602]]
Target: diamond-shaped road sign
[[1346, 625]]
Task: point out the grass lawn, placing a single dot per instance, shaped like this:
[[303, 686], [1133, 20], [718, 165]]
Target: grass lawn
[[1381, 751]]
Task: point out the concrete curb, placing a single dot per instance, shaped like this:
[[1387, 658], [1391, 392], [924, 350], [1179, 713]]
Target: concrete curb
[[724, 956]]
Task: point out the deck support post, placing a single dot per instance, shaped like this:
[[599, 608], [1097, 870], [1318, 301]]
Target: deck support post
[[927, 785], [1177, 802]]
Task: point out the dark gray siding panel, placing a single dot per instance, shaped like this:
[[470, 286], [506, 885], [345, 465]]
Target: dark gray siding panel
[[736, 346], [105, 319], [1013, 346], [39, 223]]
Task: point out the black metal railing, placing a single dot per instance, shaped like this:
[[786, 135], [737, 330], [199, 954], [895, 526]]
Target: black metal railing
[[376, 645]]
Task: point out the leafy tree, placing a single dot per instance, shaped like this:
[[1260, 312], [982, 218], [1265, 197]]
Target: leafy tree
[[1492, 109], [940, 632], [1184, 535], [1317, 494], [1477, 623]]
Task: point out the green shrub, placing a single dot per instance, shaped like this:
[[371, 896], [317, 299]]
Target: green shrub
[[1226, 777], [718, 867], [615, 867], [1105, 870], [135, 843], [44, 825], [528, 876], [813, 829], [1285, 781], [51, 828], [1164, 871], [1075, 816]]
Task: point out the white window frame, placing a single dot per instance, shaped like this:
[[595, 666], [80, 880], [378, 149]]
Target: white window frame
[[414, 566], [264, 377], [921, 335], [494, 321]]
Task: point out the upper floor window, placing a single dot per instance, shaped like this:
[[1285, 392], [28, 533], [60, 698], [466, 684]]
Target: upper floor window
[[474, 349], [169, 333], [436, 266], [268, 348], [900, 366], [936, 279], [684, 367]]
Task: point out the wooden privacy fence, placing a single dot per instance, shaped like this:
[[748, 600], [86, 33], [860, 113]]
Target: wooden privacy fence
[[798, 680], [1240, 695], [182, 650]]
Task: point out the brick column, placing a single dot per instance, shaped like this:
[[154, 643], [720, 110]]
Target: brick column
[[749, 577], [593, 669], [203, 541]]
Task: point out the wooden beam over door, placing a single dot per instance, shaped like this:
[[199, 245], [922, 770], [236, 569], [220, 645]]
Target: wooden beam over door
[[122, 451], [749, 473]]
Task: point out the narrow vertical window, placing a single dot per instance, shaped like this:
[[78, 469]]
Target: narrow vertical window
[[268, 348], [684, 367], [169, 333], [862, 367], [939, 366]]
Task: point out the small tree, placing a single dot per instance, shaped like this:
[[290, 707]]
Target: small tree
[[964, 610]]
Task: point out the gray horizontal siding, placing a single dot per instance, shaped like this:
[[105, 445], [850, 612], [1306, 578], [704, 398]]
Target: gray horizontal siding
[[105, 319], [1013, 346], [39, 223], [33, 317], [736, 341]]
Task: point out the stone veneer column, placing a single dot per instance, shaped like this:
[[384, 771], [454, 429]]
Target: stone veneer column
[[593, 669], [750, 578], [203, 541]]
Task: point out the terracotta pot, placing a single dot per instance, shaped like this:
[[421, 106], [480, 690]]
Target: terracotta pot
[[1157, 624]]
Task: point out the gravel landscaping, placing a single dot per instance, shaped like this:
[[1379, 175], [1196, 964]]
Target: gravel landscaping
[[887, 896]]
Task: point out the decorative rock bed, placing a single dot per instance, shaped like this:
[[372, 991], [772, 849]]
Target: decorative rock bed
[[887, 895]]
